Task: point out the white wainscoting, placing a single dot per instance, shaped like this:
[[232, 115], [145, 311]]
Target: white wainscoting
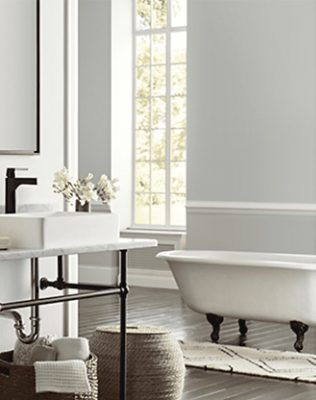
[[103, 275], [251, 226], [151, 278], [142, 277], [144, 269]]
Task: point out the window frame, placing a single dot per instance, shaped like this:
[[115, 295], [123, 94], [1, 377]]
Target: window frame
[[168, 30]]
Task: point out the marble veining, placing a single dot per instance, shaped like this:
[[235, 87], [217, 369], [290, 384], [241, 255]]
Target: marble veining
[[121, 244]]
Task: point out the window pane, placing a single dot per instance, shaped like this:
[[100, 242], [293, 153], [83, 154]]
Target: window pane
[[142, 146], [143, 14], [178, 112], [178, 145], [158, 177], [142, 208], [159, 49], [142, 114], [178, 80], [142, 50], [178, 177], [142, 82], [177, 211], [158, 209], [159, 16], [158, 112], [158, 145], [178, 47], [179, 12], [158, 81], [142, 176]]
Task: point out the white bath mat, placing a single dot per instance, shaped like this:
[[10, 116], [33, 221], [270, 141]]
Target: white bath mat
[[244, 360]]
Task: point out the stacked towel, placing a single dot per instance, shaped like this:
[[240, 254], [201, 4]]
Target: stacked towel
[[43, 353], [22, 354], [66, 375], [61, 377], [68, 348], [59, 364]]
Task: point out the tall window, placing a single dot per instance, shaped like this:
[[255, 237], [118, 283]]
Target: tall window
[[160, 113]]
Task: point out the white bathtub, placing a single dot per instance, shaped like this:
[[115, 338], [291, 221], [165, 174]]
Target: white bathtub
[[258, 286]]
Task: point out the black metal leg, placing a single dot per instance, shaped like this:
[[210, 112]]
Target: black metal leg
[[123, 338], [215, 321], [60, 268], [299, 328], [242, 327]]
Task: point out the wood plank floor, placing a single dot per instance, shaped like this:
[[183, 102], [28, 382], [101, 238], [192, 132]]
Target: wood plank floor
[[166, 308]]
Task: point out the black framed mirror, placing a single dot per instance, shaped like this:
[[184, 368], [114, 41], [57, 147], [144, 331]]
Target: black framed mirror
[[19, 76]]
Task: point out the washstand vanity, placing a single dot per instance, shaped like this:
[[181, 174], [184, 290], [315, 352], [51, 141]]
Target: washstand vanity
[[46, 232]]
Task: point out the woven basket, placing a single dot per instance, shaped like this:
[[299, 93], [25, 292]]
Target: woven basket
[[18, 382], [155, 366]]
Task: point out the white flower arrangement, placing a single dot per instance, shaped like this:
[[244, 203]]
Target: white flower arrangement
[[84, 190]]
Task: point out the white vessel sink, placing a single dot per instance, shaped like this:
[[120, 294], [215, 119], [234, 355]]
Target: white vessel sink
[[59, 229]]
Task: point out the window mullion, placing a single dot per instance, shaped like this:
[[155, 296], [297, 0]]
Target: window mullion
[[160, 30], [150, 112], [168, 116], [134, 116]]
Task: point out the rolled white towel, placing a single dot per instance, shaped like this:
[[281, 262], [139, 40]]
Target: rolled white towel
[[61, 377], [72, 348]]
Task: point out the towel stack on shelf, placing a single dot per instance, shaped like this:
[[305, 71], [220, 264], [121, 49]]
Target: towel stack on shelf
[[59, 364]]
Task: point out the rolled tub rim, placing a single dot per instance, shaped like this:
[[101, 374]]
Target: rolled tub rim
[[251, 259]]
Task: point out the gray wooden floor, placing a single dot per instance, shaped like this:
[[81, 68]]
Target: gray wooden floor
[[165, 308]]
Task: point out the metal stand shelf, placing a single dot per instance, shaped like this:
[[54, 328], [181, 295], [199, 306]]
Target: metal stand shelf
[[90, 291]]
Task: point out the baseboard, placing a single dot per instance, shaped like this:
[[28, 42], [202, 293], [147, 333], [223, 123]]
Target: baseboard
[[151, 278]]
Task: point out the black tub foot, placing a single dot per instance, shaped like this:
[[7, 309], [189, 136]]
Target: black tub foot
[[215, 321], [242, 327], [299, 329]]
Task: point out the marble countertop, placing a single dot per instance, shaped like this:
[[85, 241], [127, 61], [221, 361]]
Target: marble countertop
[[121, 244]]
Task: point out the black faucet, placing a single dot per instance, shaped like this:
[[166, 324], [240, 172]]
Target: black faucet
[[11, 184]]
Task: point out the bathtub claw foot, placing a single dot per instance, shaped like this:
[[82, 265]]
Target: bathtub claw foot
[[299, 329], [215, 321], [242, 327]]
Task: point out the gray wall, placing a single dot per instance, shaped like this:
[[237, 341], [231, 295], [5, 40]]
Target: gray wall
[[94, 87], [15, 275], [251, 123]]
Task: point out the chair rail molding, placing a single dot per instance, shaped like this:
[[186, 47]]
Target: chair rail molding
[[250, 208]]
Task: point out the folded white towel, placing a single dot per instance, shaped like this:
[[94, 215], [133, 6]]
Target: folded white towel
[[68, 348], [61, 377]]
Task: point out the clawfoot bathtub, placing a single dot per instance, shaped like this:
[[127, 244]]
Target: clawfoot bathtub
[[245, 285]]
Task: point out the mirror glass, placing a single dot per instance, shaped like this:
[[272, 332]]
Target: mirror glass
[[19, 76]]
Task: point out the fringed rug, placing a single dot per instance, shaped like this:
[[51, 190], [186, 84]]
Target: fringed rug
[[244, 360]]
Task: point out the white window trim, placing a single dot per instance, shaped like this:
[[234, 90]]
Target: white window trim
[[175, 238], [167, 31]]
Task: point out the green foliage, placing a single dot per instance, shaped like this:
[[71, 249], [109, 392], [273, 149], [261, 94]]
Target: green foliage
[[159, 13], [178, 112], [143, 50], [143, 13], [142, 81]]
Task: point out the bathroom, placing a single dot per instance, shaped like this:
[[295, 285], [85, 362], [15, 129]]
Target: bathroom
[[250, 170]]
